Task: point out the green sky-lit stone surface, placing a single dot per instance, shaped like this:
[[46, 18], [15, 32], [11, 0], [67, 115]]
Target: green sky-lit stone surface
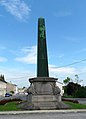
[[42, 60]]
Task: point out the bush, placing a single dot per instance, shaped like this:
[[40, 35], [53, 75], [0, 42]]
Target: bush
[[4, 101], [81, 93], [72, 88]]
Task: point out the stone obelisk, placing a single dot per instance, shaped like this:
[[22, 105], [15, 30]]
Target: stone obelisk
[[42, 58], [43, 92]]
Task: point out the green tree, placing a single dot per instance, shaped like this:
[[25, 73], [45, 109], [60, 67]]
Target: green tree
[[12, 92], [81, 93], [67, 80], [72, 88], [77, 80]]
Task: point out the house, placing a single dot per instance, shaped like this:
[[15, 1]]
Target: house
[[60, 85], [3, 84], [11, 88], [6, 87]]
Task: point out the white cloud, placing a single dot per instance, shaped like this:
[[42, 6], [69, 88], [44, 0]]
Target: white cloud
[[3, 59], [62, 73], [31, 55], [62, 14], [17, 8], [62, 70], [18, 75]]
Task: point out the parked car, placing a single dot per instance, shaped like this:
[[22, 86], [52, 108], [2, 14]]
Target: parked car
[[8, 95]]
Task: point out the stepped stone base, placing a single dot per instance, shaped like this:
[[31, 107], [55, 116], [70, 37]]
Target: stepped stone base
[[43, 94], [43, 102], [46, 102]]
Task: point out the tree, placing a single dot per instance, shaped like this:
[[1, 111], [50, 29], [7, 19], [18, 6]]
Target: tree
[[72, 88], [67, 80], [2, 77], [81, 93], [77, 79], [12, 92]]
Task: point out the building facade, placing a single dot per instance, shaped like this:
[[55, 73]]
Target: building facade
[[60, 85], [11, 88], [3, 85]]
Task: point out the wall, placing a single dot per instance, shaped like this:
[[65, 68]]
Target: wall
[[2, 88], [60, 85]]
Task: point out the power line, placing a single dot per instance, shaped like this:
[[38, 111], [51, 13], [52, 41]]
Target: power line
[[73, 75], [57, 67], [70, 64]]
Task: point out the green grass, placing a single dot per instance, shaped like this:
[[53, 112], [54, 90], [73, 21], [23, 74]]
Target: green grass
[[75, 105], [67, 96], [11, 106]]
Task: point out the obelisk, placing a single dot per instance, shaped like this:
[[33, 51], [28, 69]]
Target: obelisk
[[42, 58], [43, 91]]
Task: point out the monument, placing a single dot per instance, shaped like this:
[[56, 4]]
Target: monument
[[43, 92], [42, 59]]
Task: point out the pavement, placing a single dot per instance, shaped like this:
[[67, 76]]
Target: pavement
[[80, 100], [43, 112]]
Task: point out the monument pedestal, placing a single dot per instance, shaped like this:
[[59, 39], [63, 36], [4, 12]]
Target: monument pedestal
[[44, 94]]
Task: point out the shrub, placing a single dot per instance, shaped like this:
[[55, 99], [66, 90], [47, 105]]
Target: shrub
[[4, 101], [81, 93]]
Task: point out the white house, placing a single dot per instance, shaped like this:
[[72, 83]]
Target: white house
[[11, 87], [3, 87], [60, 85]]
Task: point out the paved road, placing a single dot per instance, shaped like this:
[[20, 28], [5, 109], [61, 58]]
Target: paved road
[[46, 116], [24, 97], [18, 96], [80, 100]]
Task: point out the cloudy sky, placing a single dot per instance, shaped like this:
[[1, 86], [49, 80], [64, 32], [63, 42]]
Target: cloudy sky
[[66, 38]]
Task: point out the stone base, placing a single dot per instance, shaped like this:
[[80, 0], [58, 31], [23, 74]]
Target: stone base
[[43, 102], [46, 102], [43, 94], [43, 86]]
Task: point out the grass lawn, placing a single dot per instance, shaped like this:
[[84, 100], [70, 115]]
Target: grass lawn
[[10, 106], [75, 105]]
